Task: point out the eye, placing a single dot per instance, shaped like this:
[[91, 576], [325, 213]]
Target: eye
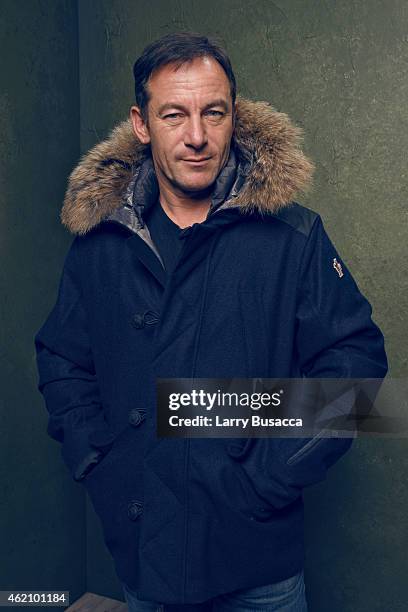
[[215, 113], [172, 116]]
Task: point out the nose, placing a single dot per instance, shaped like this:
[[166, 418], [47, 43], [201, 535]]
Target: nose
[[195, 134]]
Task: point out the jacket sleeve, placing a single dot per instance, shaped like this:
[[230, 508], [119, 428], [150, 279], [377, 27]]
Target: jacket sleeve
[[336, 338], [67, 377]]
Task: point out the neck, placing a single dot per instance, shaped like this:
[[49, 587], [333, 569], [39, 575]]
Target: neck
[[183, 209]]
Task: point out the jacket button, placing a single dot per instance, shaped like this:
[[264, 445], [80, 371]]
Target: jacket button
[[138, 321], [150, 317], [134, 510], [141, 319], [136, 416]]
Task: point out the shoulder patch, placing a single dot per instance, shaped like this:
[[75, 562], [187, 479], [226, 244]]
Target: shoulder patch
[[297, 216]]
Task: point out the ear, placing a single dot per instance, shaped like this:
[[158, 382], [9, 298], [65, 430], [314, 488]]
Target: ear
[[140, 128]]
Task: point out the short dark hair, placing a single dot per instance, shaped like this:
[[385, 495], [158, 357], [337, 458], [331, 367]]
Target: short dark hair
[[178, 48]]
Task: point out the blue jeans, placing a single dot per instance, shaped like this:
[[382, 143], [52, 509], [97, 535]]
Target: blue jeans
[[285, 596]]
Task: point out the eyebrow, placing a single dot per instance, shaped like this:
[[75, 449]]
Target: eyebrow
[[219, 102]]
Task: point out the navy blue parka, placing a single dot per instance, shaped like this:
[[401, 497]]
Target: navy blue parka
[[255, 293]]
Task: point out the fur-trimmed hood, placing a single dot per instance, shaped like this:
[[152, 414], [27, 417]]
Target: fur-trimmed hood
[[277, 168]]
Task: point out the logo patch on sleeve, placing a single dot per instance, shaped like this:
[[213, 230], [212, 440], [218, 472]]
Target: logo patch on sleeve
[[337, 267]]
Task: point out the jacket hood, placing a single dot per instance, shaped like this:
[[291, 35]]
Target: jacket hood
[[267, 140]]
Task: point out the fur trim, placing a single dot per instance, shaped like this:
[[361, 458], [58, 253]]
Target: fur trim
[[278, 169]]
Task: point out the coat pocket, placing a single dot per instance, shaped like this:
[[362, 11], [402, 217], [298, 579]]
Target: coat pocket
[[306, 448], [109, 456], [264, 461], [250, 457], [115, 489], [243, 494]]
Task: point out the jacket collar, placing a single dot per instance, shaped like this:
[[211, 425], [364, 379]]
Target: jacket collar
[[115, 175]]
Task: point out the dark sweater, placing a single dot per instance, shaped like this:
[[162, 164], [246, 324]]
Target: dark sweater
[[167, 235]]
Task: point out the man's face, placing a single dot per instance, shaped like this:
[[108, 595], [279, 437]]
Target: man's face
[[190, 124]]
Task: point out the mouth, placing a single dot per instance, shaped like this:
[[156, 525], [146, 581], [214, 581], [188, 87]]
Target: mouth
[[197, 161]]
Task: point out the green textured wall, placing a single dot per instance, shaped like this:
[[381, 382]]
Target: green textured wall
[[339, 69], [42, 519]]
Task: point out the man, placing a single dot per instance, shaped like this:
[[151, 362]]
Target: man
[[191, 260]]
